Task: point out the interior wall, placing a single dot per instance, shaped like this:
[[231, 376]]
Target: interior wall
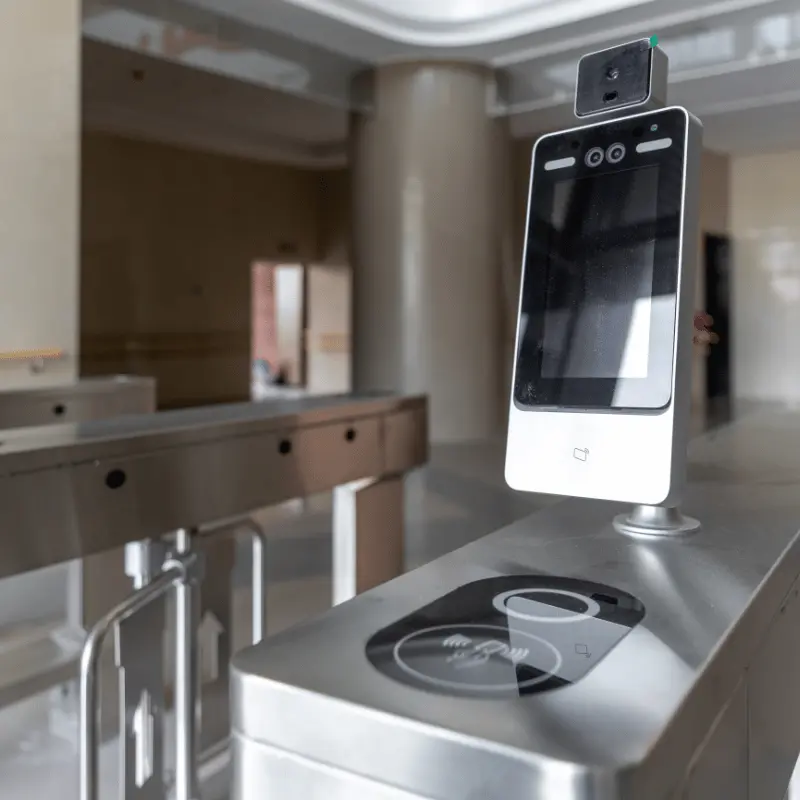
[[765, 219], [334, 217], [39, 131], [168, 239]]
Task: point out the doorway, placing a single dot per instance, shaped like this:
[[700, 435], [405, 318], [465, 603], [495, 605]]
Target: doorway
[[719, 372], [277, 324], [300, 331]]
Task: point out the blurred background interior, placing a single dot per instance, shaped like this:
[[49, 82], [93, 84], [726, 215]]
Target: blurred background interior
[[264, 200]]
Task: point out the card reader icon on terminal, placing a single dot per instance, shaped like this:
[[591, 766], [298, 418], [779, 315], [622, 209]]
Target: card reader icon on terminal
[[581, 454]]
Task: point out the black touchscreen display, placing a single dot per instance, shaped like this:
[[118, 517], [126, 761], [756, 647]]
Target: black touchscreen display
[[600, 280], [597, 319]]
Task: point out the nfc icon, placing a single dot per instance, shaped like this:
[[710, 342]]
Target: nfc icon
[[581, 454], [517, 654], [457, 640]]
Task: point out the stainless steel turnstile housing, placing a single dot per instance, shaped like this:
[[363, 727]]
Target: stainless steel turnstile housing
[[84, 400], [40, 610], [700, 701], [123, 480]]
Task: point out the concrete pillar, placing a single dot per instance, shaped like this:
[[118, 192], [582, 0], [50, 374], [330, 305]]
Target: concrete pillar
[[426, 247], [39, 160]]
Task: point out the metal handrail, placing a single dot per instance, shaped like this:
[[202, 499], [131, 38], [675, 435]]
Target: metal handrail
[[32, 354]]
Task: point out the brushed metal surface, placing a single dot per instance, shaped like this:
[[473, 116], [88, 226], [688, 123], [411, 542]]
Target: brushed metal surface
[[721, 767], [630, 728], [265, 772], [95, 585], [74, 595], [68, 491], [774, 703]]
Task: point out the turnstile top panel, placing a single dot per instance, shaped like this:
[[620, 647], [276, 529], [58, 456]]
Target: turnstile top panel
[[312, 690], [27, 449]]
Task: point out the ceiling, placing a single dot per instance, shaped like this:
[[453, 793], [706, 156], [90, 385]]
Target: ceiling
[[272, 78], [132, 94]]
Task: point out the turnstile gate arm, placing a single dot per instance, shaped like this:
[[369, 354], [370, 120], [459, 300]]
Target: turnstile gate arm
[[90, 658]]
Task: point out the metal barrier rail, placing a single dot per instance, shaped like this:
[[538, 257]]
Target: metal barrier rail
[[86, 588], [128, 481], [155, 571], [90, 659], [89, 399]]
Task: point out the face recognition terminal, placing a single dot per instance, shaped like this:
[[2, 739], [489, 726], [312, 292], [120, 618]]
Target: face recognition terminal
[[600, 393], [554, 659]]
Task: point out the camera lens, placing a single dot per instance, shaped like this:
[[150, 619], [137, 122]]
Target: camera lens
[[615, 153], [594, 157], [612, 73]]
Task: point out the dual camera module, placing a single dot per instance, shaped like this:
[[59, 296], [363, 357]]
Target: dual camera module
[[613, 154], [611, 73]]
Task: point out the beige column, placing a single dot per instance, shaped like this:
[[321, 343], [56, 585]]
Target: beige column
[[39, 161], [426, 246]]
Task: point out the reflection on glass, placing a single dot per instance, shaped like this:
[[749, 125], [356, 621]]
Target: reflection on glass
[[604, 333]]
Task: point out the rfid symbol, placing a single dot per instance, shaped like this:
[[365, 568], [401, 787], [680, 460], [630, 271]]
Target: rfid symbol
[[457, 640]]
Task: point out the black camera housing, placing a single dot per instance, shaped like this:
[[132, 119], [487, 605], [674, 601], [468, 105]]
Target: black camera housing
[[632, 74]]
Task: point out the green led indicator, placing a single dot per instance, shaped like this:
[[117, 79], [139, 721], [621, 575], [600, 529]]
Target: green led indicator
[[653, 41]]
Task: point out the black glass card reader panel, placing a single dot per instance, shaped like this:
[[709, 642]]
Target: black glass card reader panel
[[503, 637]]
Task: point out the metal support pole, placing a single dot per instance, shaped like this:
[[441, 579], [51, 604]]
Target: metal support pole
[[368, 533], [89, 684], [186, 621], [139, 658], [655, 521]]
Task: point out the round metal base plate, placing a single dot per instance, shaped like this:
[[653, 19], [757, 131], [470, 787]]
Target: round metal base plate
[[653, 521]]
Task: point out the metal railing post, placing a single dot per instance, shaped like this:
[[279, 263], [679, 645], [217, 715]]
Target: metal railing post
[[186, 683]]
